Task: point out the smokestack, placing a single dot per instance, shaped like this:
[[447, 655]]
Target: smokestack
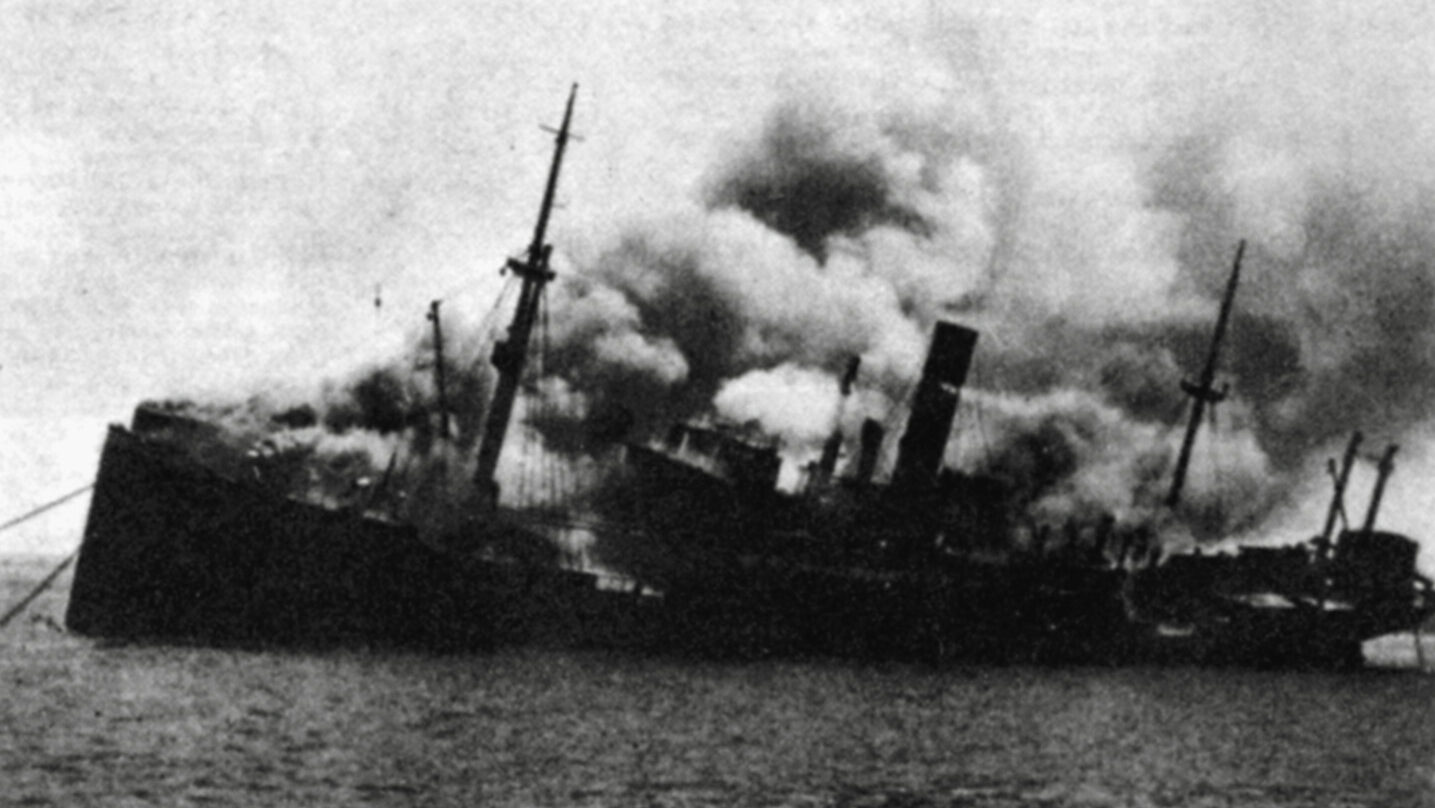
[[919, 456], [872, 434]]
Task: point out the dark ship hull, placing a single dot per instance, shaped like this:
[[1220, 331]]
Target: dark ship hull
[[192, 536], [175, 551], [743, 588], [926, 565]]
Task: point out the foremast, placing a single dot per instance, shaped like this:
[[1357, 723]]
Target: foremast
[[510, 355], [1204, 392]]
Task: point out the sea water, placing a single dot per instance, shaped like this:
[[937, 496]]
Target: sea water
[[86, 723]]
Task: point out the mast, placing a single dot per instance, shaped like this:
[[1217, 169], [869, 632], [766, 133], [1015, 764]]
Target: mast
[[1204, 392], [438, 369], [511, 354]]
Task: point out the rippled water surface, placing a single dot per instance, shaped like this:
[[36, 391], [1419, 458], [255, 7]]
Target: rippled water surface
[[82, 723]]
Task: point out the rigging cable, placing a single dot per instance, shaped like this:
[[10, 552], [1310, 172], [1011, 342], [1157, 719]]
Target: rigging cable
[[487, 321], [45, 582], [321, 363], [1215, 459], [538, 408], [36, 511], [549, 405], [524, 438], [545, 466], [39, 588], [978, 411]]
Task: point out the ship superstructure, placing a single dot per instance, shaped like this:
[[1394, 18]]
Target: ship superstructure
[[931, 563]]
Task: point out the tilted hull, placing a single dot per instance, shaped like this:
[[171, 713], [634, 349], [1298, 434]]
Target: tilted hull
[[174, 551]]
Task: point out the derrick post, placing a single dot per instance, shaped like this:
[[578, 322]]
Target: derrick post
[[1382, 471], [1337, 502]]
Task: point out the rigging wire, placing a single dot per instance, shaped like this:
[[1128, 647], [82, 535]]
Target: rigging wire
[[487, 321], [1215, 458], [525, 439], [978, 411], [391, 319], [545, 466], [548, 404], [316, 364], [530, 480], [44, 584], [532, 408], [485, 325], [36, 511], [14, 611]]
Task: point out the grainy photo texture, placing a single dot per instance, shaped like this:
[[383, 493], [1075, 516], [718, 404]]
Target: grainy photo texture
[[717, 403]]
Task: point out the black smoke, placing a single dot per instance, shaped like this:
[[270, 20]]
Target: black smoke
[[801, 180]]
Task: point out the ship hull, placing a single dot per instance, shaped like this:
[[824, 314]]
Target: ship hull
[[997, 619], [172, 551], [944, 619], [748, 576]]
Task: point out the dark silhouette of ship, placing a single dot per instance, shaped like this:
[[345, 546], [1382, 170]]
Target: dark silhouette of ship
[[190, 540], [720, 560], [929, 563]]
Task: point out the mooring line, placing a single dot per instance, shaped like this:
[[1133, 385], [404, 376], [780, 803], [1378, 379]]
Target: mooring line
[[39, 588], [47, 506]]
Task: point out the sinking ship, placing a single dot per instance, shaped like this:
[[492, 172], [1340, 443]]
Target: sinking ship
[[938, 563], [189, 539], [715, 557]]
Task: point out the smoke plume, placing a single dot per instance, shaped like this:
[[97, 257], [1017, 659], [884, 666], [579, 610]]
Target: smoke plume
[[1071, 183], [372, 442], [1092, 260]]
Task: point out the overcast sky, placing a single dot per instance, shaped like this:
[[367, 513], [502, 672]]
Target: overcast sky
[[205, 199]]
